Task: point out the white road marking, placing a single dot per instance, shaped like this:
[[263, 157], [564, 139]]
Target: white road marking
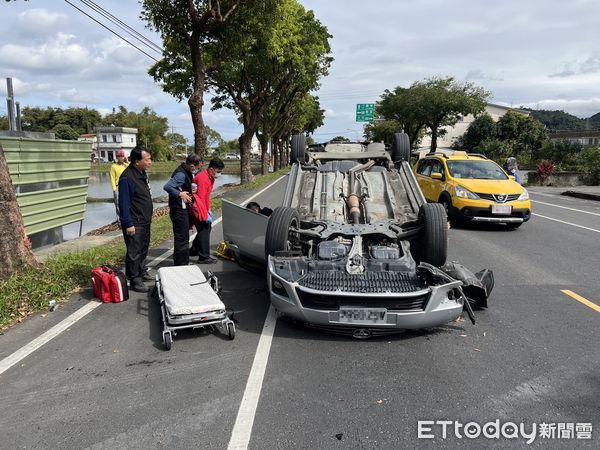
[[566, 207], [242, 429], [567, 223], [26, 350]]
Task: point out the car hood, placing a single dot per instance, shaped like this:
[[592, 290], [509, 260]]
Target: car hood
[[492, 186]]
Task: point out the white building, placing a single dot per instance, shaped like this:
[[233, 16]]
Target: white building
[[110, 139], [460, 128]]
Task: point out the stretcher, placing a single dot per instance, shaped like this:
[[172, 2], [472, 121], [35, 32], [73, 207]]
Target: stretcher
[[188, 299]]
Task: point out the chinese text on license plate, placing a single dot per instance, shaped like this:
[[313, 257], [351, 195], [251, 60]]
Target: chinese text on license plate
[[501, 209], [363, 315]]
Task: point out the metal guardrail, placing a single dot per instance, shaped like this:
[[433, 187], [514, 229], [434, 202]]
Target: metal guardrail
[[50, 179]]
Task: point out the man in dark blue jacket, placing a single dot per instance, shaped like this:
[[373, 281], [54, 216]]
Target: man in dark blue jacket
[[135, 205], [180, 192]]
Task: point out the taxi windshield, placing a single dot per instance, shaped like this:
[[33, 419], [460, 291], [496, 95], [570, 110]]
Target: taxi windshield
[[476, 170]]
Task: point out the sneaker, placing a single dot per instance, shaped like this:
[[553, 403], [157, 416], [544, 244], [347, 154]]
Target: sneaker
[[147, 277], [138, 287], [208, 260]]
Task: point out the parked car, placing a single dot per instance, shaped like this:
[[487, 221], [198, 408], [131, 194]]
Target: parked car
[[355, 248], [232, 156], [472, 188]]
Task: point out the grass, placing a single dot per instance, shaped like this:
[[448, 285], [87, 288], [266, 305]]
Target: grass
[[63, 274]]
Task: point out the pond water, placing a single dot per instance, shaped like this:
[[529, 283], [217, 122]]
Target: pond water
[[101, 213]]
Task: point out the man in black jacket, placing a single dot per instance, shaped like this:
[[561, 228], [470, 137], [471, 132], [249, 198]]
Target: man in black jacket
[[179, 188], [135, 205]]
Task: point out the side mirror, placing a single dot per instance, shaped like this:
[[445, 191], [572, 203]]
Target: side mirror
[[437, 176], [512, 177]]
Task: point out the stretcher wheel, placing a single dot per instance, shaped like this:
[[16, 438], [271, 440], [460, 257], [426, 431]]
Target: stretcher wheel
[[168, 340], [231, 331]]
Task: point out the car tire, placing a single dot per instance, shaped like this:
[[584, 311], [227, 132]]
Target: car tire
[[298, 148], [446, 202], [401, 147], [277, 237], [434, 248]]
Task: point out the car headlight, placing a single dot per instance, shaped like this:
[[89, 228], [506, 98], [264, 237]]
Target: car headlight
[[462, 192], [524, 195]]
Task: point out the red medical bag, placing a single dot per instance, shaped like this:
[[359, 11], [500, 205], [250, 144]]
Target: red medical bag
[[109, 284]]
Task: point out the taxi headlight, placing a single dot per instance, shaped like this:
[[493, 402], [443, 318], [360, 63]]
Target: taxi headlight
[[524, 195], [462, 192]]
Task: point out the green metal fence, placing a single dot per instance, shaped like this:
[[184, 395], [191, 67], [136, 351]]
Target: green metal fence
[[50, 178]]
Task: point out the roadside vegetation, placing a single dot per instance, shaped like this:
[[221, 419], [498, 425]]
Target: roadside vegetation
[[63, 274]]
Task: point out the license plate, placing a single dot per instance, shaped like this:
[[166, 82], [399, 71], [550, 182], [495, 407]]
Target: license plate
[[363, 315], [501, 209]]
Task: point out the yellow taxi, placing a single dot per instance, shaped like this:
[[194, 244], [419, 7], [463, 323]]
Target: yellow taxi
[[472, 188]]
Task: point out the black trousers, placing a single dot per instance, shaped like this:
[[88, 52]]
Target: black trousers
[[201, 244], [137, 251], [181, 236]]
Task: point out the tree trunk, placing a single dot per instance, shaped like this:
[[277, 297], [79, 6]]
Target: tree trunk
[[196, 101], [434, 136], [275, 154], [264, 157], [15, 249], [245, 141]]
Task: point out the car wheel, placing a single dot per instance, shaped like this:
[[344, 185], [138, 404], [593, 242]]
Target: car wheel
[[401, 147], [446, 202], [298, 148], [277, 237], [434, 248]]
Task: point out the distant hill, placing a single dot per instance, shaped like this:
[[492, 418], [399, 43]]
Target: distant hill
[[560, 120]]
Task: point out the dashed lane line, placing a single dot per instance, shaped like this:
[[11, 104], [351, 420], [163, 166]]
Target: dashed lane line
[[581, 299]]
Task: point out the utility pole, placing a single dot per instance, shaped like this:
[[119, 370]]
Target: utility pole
[[10, 103]]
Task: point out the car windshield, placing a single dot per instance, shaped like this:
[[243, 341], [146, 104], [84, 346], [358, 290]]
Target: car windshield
[[479, 170]]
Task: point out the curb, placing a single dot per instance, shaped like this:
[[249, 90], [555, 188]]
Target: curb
[[583, 195]]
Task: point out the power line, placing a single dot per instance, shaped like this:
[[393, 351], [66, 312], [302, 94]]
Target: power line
[[113, 32], [118, 22]]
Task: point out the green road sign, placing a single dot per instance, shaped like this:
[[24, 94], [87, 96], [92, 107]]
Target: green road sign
[[365, 112]]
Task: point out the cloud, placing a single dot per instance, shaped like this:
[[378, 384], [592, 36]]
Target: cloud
[[57, 55], [22, 88], [39, 22], [479, 75], [579, 107]]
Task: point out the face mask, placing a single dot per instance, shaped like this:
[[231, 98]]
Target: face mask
[[217, 174]]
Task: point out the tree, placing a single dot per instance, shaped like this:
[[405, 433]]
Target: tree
[[272, 46], [483, 128], [15, 251], [524, 134], [65, 132], [213, 140], [383, 131], [558, 120], [441, 102], [340, 139], [177, 143], [3, 123], [187, 28], [81, 120], [398, 107], [152, 128]]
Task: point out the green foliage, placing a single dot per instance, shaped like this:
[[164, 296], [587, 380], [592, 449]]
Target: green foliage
[[483, 128], [177, 144], [564, 153], [151, 127], [3, 123], [382, 131], [81, 120], [590, 162], [558, 120], [524, 134], [494, 149], [65, 132], [340, 139], [232, 146], [213, 138], [432, 103]]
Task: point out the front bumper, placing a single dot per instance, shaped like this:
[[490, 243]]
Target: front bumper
[[481, 211], [423, 308]]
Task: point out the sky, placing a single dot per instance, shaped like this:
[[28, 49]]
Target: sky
[[542, 54]]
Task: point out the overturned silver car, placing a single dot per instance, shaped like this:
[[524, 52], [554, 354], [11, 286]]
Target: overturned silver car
[[355, 248]]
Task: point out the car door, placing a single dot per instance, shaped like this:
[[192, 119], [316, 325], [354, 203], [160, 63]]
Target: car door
[[244, 231], [422, 173], [436, 187]]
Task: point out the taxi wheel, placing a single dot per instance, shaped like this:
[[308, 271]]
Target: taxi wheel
[[447, 204], [434, 248], [278, 237]]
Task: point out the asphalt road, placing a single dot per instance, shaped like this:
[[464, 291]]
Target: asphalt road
[[532, 357]]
